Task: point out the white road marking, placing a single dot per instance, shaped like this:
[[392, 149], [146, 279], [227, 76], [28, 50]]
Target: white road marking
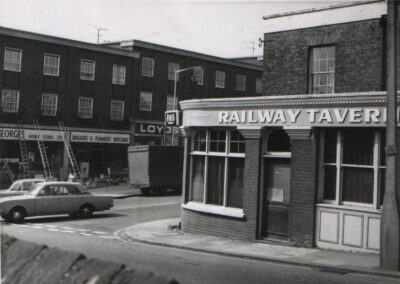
[[85, 234], [106, 237], [144, 206], [53, 230], [82, 230], [98, 232]]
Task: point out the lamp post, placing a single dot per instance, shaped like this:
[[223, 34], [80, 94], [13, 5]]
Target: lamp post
[[175, 83]]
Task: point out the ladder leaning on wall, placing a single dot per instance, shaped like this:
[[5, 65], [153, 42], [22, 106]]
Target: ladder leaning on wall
[[42, 150], [23, 148], [70, 152]]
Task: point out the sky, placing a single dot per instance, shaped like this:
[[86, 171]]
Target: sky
[[220, 27]]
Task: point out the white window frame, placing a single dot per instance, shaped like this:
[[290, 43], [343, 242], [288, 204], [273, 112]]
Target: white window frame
[[119, 74], [339, 176], [147, 67], [47, 67], [223, 209], [87, 75], [9, 107], [170, 103], [172, 67], [117, 114], [49, 109], [313, 72], [240, 82], [220, 81], [8, 62], [82, 110], [198, 75], [146, 101], [258, 86]]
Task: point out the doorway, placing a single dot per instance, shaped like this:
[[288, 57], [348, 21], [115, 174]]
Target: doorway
[[276, 186]]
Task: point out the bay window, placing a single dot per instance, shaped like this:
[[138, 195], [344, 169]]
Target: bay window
[[352, 166], [217, 168]]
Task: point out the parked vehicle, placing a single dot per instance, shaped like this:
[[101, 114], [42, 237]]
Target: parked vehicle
[[155, 169], [52, 198], [21, 186]]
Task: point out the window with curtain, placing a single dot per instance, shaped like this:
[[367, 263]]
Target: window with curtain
[[353, 166], [218, 167]]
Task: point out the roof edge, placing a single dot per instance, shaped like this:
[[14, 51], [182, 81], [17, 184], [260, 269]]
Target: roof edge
[[64, 41]]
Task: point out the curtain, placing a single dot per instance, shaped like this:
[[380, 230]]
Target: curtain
[[215, 184]]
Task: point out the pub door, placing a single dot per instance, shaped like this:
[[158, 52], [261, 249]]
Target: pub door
[[276, 187], [276, 198]]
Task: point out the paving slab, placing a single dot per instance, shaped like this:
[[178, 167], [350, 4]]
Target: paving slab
[[159, 233]]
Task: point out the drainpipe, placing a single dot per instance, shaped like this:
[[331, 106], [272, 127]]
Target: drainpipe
[[390, 242]]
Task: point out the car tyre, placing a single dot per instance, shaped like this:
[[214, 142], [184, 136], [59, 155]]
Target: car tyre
[[73, 215], [17, 215], [86, 211]]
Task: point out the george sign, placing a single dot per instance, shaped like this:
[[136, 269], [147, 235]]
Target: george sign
[[29, 134], [172, 118], [153, 129], [91, 137]]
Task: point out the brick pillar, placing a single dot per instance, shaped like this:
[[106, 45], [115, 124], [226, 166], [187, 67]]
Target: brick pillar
[[252, 170], [187, 133], [303, 186]]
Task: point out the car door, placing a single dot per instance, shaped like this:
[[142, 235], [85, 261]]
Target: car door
[[47, 201], [70, 199]]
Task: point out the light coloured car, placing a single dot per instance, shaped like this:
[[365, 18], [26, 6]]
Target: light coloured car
[[21, 186], [52, 198]]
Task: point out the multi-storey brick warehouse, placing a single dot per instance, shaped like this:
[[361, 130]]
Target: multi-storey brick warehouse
[[217, 78], [105, 96], [304, 164]]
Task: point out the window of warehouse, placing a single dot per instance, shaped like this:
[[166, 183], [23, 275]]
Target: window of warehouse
[[240, 82], [87, 69], [49, 104], [9, 101], [322, 77], [12, 59], [217, 168], [353, 166], [146, 101], [118, 74], [219, 79], [198, 76], [117, 110], [51, 65], [172, 67], [147, 67], [85, 107]]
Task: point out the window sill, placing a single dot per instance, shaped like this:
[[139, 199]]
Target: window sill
[[214, 209]]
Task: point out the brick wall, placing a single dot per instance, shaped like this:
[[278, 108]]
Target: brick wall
[[303, 191], [358, 48]]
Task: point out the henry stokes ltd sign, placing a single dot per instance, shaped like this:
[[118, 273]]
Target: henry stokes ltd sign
[[29, 134]]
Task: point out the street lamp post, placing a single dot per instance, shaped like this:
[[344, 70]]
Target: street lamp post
[[175, 83]]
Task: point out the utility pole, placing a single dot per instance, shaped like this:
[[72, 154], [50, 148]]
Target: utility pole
[[390, 239]]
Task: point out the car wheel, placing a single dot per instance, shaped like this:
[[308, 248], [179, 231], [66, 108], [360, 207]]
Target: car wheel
[[145, 191], [17, 215], [6, 218], [86, 211], [73, 215]]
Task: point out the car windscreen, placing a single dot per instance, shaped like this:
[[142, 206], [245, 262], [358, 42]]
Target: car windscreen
[[35, 189], [14, 186]]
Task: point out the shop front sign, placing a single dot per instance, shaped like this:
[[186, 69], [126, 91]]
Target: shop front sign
[[29, 134], [347, 116], [91, 137], [154, 129]]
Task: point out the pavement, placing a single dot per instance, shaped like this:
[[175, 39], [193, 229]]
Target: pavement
[[120, 191], [165, 233]]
